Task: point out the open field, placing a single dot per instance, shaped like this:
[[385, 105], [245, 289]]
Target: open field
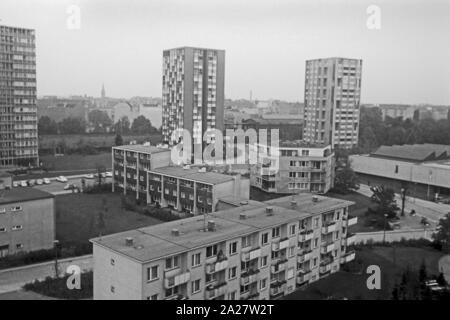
[[77, 217], [74, 162], [391, 261]]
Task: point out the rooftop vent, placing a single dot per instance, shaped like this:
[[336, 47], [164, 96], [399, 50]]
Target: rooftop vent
[[269, 211], [202, 169], [243, 203], [129, 241], [315, 198], [175, 232], [242, 216], [211, 225], [293, 203]]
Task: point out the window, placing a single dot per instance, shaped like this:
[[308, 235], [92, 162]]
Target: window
[[153, 297], [172, 262], [291, 251], [19, 246], [233, 248], [264, 238], [263, 284], [276, 232], [396, 168], [316, 242], [263, 261], [112, 289], [16, 208], [172, 291], [152, 273], [195, 286], [2, 210], [315, 262], [292, 230], [316, 222], [112, 262], [246, 241], [18, 227], [196, 260], [305, 152], [232, 295], [183, 195], [290, 273], [211, 251], [232, 272]]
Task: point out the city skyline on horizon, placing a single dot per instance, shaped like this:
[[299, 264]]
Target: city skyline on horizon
[[251, 34]]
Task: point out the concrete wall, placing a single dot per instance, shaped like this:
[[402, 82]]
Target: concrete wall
[[37, 219], [125, 276]]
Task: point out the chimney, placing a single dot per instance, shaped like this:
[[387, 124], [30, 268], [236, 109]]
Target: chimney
[[129, 241], [211, 225], [269, 211], [242, 216], [175, 232]]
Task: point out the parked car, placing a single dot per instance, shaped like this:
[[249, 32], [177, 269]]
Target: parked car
[[39, 182], [70, 186], [23, 183], [16, 184], [61, 179], [108, 174], [46, 181], [31, 182], [89, 176]]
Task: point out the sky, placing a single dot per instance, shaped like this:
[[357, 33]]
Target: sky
[[120, 43]]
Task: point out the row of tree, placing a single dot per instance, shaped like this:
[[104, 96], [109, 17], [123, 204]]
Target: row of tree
[[100, 123], [374, 131]]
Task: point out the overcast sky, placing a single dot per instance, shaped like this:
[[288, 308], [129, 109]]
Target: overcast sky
[[120, 43]]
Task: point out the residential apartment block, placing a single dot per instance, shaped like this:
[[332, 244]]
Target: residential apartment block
[[299, 168], [193, 190], [18, 111], [332, 99], [253, 251], [193, 91], [27, 220], [130, 164]]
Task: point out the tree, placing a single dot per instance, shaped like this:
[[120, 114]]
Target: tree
[[101, 217], [442, 236], [47, 126], [72, 126], [141, 125], [123, 125], [385, 198], [100, 120], [345, 180], [118, 141]]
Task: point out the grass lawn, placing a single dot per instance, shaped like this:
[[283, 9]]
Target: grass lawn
[[77, 215], [358, 209], [259, 195], [353, 286], [76, 161]]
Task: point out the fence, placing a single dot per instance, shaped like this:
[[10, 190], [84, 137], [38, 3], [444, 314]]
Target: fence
[[394, 235]]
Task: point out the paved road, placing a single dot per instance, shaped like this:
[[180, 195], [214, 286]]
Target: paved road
[[56, 187], [428, 209], [13, 279]]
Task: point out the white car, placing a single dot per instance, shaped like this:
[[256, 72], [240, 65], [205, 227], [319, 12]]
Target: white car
[[16, 184], [61, 179], [109, 174], [23, 183], [46, 181], [39, 182], [89, 176]]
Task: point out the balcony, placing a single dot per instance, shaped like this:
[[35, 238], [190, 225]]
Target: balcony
[[217, 266], [249, 295], [326, 268], [326, 248], [214, 291], [351, 220], [306, 235], [350, 239], [282, 244], [348, 257], [176, 280], [279, 266], [249, 277], [251, 255], [177, 297], [277, 289], [330, 227], [303, 277], [304, 255]]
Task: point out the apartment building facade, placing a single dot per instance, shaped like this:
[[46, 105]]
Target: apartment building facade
[[27, 221], [332, 101], [299, 167], [255, 251], [193, 190], [18, 111], [193, 92]]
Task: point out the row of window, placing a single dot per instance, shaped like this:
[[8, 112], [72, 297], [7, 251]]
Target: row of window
[[13, 209]]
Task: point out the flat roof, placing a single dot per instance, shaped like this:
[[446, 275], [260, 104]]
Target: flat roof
[[157, 242], [141, 148], [21, 194], [193, 174]]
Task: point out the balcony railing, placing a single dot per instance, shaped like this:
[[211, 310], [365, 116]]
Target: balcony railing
[[348, 257], [327, 247], [330, 227], [350, 239], [280, 245], [251, 255], [303, 276], [351, 220], [304, 255], [217, 266], [279, 266], [306, 235], [214, 291], [176, 280], [277, 289], [249, 277]]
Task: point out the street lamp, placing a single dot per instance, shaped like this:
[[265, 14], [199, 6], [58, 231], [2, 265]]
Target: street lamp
[[55, 245], [384, 228]]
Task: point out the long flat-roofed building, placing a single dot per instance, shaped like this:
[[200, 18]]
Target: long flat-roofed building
[[300, 167], [253, 251], [193, 190], [27, 220]]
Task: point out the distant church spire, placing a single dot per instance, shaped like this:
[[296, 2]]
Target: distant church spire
[[103, 91]]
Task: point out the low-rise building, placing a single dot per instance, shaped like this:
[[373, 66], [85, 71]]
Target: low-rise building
[[193, 190], [253, 251], [422, 170], [130, 164], [298, 168], [27, 220]]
